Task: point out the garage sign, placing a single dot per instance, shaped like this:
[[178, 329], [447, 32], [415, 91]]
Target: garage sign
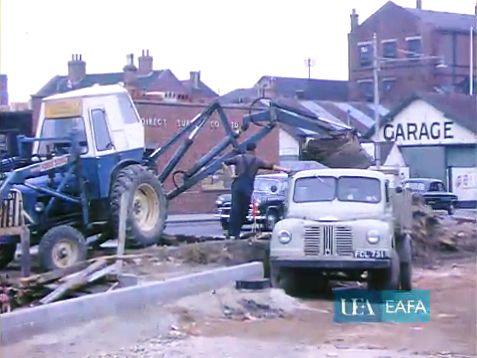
[[402, 132]]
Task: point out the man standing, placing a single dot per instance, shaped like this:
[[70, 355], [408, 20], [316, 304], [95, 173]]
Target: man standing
[[246, 168]]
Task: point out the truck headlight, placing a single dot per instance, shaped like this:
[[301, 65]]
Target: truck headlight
[[219, 202], [373, 236], [284, 237]]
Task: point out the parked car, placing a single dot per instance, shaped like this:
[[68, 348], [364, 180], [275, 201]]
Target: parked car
[[434, 193], [268, 197]]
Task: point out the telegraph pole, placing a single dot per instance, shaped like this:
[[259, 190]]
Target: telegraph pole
[[377, 150], [309, 62]]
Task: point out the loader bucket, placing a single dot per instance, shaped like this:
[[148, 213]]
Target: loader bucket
[[338, 151]]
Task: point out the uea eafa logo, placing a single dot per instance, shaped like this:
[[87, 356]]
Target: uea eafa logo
[[356, 305]]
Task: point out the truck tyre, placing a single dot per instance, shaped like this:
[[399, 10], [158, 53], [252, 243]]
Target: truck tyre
[[274, 276], [61, 247], [406, 276], [7, 254], [387, 279], [290, 282], [146, 202], [451, 209], [225, 224]]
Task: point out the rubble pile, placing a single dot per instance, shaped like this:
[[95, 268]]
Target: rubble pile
[[437, 236], [252, 310]]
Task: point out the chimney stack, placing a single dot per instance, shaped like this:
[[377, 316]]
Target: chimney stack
[[354, 20], [419, 4], [195, 79], [130, 71], [144, 63], [76, 69]]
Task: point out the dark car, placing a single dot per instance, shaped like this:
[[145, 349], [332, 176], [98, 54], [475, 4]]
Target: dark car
[[434, 193], [268, 197]]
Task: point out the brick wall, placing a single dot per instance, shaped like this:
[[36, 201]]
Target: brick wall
[[162, 121], [393, 22]]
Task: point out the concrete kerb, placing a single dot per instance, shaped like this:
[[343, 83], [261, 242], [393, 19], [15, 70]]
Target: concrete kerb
[[18, 325], [192, 220]]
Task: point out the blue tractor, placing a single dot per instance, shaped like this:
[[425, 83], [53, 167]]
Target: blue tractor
[[88, 152]]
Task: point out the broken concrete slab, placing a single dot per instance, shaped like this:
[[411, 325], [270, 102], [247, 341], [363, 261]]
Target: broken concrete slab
[[18, 325]]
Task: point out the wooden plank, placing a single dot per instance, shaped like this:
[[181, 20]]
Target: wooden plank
[[121, 233], [43, 278], [74, 282], [101, 273], [26, 257]]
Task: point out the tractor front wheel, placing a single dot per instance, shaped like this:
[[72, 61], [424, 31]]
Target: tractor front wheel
[[146, 204], [62, 246], [7, 254]]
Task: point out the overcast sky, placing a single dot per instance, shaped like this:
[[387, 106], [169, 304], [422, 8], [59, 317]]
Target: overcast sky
[[232, 42]]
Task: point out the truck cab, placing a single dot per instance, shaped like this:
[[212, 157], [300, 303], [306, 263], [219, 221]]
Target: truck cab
[[338, 223]]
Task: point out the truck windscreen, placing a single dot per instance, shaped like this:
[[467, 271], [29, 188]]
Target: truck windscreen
[[346, 188]]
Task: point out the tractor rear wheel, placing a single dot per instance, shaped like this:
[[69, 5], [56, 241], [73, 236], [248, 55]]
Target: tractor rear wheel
[[146, 204]]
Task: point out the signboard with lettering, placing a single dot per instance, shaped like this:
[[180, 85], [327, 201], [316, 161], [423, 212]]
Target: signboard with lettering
[[418, 131], [63, 108], [464, 183], [421, 124], [181, 123]]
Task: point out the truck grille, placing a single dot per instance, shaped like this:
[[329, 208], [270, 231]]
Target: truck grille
[[312, 240], [11, 210], [344, 241], [328, 240]]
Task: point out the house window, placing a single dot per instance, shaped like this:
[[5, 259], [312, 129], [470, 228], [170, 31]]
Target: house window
[[388, 84], [365, 55], [390, 49], [366, 89], [413, 47]]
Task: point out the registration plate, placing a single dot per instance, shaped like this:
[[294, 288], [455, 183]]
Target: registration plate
[[370, 254]]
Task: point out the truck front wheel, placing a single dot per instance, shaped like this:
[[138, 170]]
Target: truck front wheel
[[387, 279], [146, 204]]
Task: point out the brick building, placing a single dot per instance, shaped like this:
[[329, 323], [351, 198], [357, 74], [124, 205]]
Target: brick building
[[409, 33], [165, 105]]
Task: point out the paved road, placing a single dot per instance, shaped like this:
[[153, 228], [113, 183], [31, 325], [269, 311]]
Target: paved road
[[470, 213], [195, 228], [204, 228]]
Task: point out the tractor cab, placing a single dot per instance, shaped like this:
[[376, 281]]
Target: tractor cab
[[103, 118]]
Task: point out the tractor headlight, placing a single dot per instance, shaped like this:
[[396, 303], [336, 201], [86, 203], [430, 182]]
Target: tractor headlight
[[284, 237], [39, 207], [373, 236]]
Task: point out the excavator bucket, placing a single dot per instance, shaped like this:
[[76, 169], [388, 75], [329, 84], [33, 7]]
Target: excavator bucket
[[341, 150]]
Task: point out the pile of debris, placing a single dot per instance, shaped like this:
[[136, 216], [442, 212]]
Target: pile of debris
[[93, 276], [252, 310], [437, 236]]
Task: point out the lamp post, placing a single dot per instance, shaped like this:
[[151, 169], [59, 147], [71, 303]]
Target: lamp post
[[377, 61]]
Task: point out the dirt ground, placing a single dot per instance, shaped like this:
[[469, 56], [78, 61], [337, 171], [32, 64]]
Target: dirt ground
[[231, 323]]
